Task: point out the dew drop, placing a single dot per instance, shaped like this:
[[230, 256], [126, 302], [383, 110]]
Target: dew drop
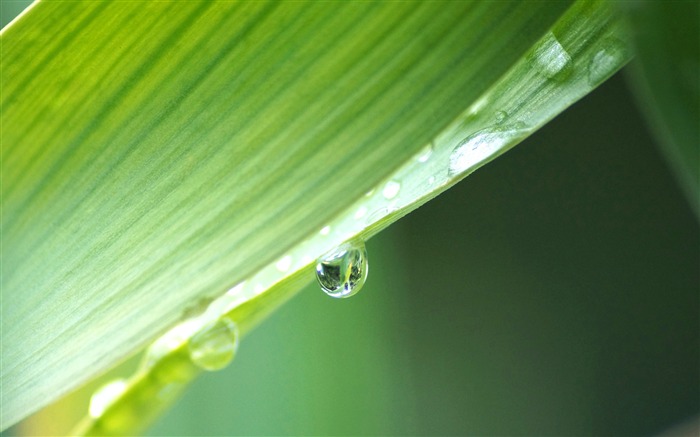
[[325, 230], [105, 396], [425, 153], [343, 271], [606, 61], [478, 105], [379, 214], [361, 212], [481, 145], [236, 290], [391, 189], [213, 347], [501, 116], [551, 59], [284, 263]]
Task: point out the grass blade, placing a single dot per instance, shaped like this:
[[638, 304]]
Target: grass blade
[[666, 39], [154, 155]]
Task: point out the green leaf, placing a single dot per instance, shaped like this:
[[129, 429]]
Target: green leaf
[[666, 38], [155, 155]]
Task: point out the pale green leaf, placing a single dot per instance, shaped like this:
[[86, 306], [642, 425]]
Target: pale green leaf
[[155, 155]]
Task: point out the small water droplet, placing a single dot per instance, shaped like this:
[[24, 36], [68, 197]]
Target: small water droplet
[[425, 153], [369, 193], [478, 105], [379, 214], [501, 116], [105, 396], [325, 230], [284, 263], [551, 59], [606, 60], [215, 345], [235, 291], [361, 212], [391, 189], [431, 180], [343, 271], [481, 145]]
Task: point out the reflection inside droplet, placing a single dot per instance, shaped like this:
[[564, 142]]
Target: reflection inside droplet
[[343, 271]]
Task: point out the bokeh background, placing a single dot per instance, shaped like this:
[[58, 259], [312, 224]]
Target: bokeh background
[[556, 291]]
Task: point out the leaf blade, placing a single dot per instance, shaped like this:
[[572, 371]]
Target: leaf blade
[[665, 38], [204, 257]]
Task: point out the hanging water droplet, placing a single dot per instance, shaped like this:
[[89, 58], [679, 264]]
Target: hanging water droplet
[[483, 144], [424, 154], [343, 271], [606, 61], [105, 396], [391, 189], [551, 59], [215, 345]]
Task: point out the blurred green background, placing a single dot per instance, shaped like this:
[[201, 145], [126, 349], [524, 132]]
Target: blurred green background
[[554, 292]]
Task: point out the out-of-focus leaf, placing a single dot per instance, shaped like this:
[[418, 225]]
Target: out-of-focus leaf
[[666, 74]]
